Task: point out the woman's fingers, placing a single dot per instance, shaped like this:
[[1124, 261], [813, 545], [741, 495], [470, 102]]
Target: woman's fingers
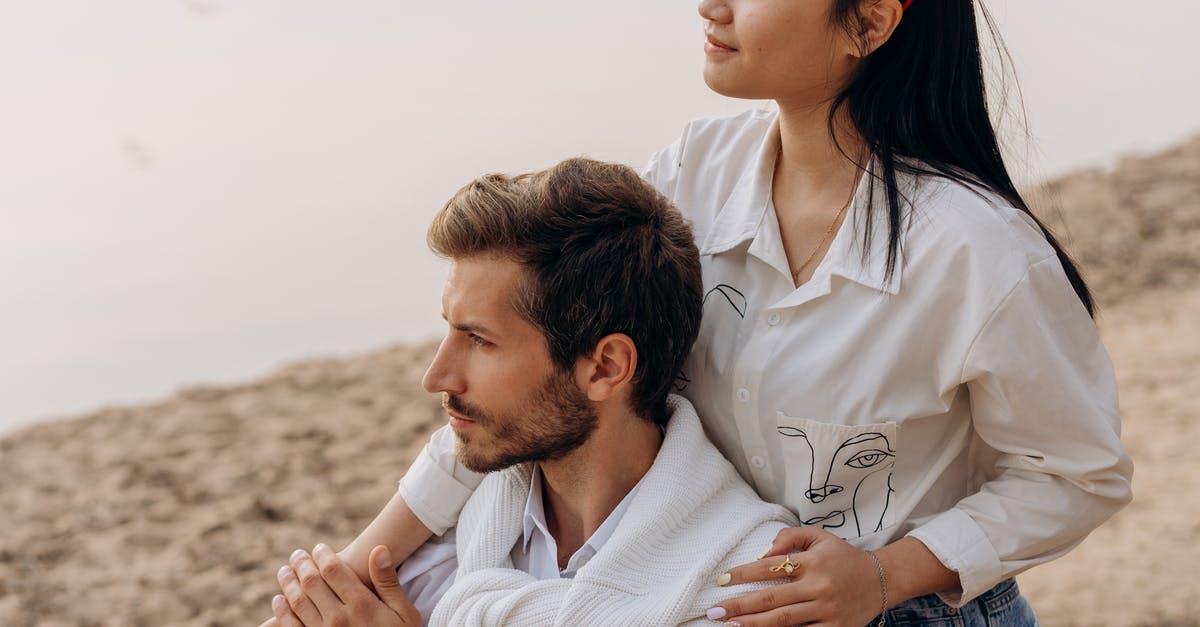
[[313, 584], [299, 603], [768, 568], [796, 614], [784, 558], [755, 603], [283, 614], [338, 576]]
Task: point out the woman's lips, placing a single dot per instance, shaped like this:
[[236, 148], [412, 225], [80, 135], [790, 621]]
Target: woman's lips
[[712, 44]]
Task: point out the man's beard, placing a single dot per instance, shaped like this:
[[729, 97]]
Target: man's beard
[[555, 420]]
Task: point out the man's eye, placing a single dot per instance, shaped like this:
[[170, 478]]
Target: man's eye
[[479, 341]]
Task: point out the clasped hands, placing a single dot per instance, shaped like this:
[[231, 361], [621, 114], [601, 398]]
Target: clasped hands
[[320, 590], [833, 584]]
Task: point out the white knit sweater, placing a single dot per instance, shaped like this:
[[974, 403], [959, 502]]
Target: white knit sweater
[[692, 519]]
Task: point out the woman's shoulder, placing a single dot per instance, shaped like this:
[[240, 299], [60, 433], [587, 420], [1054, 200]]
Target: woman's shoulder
[[970, 241], [958, 217], [726, 142], [746, 127]]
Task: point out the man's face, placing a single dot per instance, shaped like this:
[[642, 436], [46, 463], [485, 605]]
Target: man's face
[[507, 401]]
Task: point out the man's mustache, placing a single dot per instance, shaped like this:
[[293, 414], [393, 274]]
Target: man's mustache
[[462, 408]]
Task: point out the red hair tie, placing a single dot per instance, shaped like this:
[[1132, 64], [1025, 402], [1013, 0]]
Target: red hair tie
[[905, 6]]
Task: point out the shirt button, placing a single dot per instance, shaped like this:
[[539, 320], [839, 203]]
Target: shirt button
[[757, 462], [952, 611], [774, 319], [743, 395]]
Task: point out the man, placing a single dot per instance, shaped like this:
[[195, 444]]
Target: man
[[573, 298]]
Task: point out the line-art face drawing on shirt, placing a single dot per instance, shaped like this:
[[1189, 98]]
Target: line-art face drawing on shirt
[[732, 295], [681, 382], [850, 483]]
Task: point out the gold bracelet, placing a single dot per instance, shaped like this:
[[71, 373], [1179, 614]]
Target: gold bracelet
[[882, 587]]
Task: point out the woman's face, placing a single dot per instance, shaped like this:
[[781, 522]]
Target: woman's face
[[785, 50]]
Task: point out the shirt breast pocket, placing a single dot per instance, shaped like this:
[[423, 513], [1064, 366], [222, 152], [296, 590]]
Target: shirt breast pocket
[[839, 477]]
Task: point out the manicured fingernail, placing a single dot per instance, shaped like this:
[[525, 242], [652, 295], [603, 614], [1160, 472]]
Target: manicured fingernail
[[384, 559], [320, 548], [277, 602], [723, 579], [297, 554], [765, 551], [285, 572], [715, 613]]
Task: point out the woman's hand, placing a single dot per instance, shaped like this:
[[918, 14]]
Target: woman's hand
[[831, 584], [322, 590]]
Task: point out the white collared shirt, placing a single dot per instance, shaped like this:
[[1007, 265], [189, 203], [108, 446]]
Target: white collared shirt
[[430, 571], [966, 400]]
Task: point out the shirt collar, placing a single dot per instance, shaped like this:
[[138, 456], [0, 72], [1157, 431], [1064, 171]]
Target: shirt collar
[[743, 218], [739, 218], [535, 513], [535, 518]]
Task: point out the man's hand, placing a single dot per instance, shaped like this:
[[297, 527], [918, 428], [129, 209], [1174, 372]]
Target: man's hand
[[322, 591]]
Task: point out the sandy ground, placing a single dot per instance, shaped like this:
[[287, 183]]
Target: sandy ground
[[1141, 567], [179, 512]]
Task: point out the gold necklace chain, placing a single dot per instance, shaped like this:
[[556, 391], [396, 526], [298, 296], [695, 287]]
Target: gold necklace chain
[[825, 238]]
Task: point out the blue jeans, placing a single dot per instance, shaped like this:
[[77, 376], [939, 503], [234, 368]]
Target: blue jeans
[[1002, 606]]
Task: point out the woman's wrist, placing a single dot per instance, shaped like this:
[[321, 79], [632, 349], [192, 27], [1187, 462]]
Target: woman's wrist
[[912, 570]]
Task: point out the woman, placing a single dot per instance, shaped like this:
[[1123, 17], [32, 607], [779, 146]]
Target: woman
[[892, 346], [907, 361]]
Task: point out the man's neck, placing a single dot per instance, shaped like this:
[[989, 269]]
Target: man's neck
[[581, 490]]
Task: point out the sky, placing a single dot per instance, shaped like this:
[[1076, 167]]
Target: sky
[[197, 191]]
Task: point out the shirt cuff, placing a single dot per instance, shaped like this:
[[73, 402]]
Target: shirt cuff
[[961, 545], [433, 493]]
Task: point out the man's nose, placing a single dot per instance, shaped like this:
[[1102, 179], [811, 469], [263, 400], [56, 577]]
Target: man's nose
[[442, 374]]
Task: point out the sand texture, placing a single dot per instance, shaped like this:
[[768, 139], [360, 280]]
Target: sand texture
[[180, 512]]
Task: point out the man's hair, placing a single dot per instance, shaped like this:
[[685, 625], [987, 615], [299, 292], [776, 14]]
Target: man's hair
[[603, 253]]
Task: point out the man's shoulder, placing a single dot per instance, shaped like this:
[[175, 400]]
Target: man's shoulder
[[498, 492]]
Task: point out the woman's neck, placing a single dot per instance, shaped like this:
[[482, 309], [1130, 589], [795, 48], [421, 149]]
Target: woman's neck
[[809, 157]]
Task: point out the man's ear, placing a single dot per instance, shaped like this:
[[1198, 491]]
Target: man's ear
[[609, 369]]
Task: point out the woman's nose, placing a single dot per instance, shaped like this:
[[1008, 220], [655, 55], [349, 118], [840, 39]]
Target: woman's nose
[[715, 11]]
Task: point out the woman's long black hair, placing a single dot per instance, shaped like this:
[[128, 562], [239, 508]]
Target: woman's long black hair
[[920, 104]]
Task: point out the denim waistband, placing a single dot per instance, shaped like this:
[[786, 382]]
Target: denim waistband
[[1001, 606]]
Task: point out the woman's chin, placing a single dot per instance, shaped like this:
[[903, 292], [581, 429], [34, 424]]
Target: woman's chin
[[726, 83]]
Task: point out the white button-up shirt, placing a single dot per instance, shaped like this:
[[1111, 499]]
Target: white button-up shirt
[[430, 571], [965, 399]]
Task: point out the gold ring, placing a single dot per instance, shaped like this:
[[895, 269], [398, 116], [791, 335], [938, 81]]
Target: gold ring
[[788, 566]]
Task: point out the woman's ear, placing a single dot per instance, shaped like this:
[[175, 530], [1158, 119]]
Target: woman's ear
[[879, 19], [608, 371]]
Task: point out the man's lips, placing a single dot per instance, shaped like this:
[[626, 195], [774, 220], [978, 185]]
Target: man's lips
[[718, 44], [458, 420]]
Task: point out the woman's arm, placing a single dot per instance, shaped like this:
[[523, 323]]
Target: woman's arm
[[396, 527], [429, 499], [1049, 458]]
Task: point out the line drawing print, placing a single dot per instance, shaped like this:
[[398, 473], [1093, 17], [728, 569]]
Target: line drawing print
[[732, 295], [681, 382], [846, 483]]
